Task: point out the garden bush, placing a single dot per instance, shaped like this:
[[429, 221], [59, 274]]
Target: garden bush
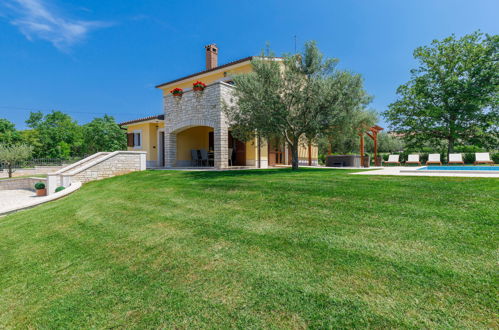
[[495, 157], [39, 185], [59, 188], [469, 158]]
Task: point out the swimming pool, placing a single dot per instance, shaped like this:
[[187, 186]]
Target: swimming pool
[[460, 168]]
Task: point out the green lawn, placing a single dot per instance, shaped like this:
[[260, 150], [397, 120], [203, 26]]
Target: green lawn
[[255, 249]]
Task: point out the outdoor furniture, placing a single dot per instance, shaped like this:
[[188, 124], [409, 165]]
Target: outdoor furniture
[[413, 159], [456, 159], [211, 158], [482, 158], [343, 161], [393, 159], [203, 153], [434, 159], [195, 160]]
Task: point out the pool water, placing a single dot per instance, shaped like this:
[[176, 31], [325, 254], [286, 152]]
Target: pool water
[[460, 168]]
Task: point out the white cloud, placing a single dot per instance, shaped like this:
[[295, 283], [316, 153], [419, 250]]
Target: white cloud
[[36, 20]]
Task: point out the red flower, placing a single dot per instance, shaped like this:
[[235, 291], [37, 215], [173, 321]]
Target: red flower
[[199, 84], [177, 91]]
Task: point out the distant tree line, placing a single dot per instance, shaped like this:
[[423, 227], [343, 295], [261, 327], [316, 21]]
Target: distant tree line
[[58, 135]]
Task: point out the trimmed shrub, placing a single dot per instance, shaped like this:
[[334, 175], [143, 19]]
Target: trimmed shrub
[[59, 188], [469, 158], [39, 185], [495, 157]]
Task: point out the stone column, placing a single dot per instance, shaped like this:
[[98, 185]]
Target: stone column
[[221, 141], [52, 183], [170, 149]]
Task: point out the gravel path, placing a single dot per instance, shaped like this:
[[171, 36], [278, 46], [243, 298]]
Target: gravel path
[[15, 198]]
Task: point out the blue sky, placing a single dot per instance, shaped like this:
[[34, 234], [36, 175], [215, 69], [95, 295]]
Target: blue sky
[[92, 57]]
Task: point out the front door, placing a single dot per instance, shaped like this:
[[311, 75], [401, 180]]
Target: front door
[[276, 153], [238, 148]]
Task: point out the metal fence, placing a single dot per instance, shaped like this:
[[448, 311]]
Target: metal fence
[[42, 162]]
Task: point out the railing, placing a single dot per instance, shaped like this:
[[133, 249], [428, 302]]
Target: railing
[[42, 162]]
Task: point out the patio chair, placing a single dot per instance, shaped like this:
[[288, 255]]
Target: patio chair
[[482, 158], [455, 159], [434, 159], [195, 160], [413, 159], [204, 157], [393, 159]]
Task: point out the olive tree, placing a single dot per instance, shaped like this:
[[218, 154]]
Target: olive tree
[[295, 97], [10, 155]]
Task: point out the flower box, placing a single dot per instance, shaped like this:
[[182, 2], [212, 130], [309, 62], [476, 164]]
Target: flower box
[[198, 86], [177, 92]]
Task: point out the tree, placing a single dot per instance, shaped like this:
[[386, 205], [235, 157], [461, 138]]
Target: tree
[[10, 155], [58, 134], [344, 137], [452, 97], [103, 134], [295, 98], [8, 133], [389, 143]]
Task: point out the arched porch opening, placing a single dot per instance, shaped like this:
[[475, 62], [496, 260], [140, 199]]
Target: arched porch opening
[[195, 146]]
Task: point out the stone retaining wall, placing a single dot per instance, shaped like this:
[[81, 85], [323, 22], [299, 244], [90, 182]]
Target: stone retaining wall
[[20, 183]]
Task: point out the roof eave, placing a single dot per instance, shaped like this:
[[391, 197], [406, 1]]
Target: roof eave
[[249, 58]]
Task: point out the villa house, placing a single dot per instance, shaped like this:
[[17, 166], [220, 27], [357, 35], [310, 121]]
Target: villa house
[[195, 121]]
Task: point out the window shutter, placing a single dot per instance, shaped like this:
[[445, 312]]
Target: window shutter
[[129, 137]]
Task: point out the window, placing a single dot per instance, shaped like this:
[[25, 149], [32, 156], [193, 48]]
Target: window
[[137, 139]]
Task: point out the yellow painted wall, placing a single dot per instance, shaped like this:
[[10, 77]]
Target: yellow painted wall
[[192, 138], [149, 138], [252, 151], [303, 152], [209, 77]]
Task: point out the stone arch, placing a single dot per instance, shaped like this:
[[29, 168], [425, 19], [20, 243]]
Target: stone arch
[[186, 124]]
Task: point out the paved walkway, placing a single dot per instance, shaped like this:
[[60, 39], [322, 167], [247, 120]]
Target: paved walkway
[[15, 198]]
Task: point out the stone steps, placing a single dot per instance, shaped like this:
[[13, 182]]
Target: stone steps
[[97, 166], [82, 163]]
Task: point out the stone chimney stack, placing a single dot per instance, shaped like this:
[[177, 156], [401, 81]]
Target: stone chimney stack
[[211, 56]]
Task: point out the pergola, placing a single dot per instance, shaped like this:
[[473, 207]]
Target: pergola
[[372, 132]]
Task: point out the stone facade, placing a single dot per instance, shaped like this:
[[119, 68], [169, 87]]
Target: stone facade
[[20, 183], [198, 109]]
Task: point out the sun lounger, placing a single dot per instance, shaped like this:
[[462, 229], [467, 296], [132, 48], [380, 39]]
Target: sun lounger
[[482, 158], [456, 159], [413, 159], [393, 159], [434, 159]]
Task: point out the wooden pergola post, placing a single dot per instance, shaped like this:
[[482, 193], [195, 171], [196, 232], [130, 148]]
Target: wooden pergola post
[[373, 134], [361, 134], [309, 154], [375, 130]]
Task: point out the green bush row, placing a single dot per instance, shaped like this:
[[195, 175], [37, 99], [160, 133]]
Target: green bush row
[[468, 157]]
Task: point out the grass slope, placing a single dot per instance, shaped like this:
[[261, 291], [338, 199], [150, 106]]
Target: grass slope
[[258, 249]]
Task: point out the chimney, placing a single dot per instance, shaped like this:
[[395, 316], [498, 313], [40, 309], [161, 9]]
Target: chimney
[[211, 56]]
